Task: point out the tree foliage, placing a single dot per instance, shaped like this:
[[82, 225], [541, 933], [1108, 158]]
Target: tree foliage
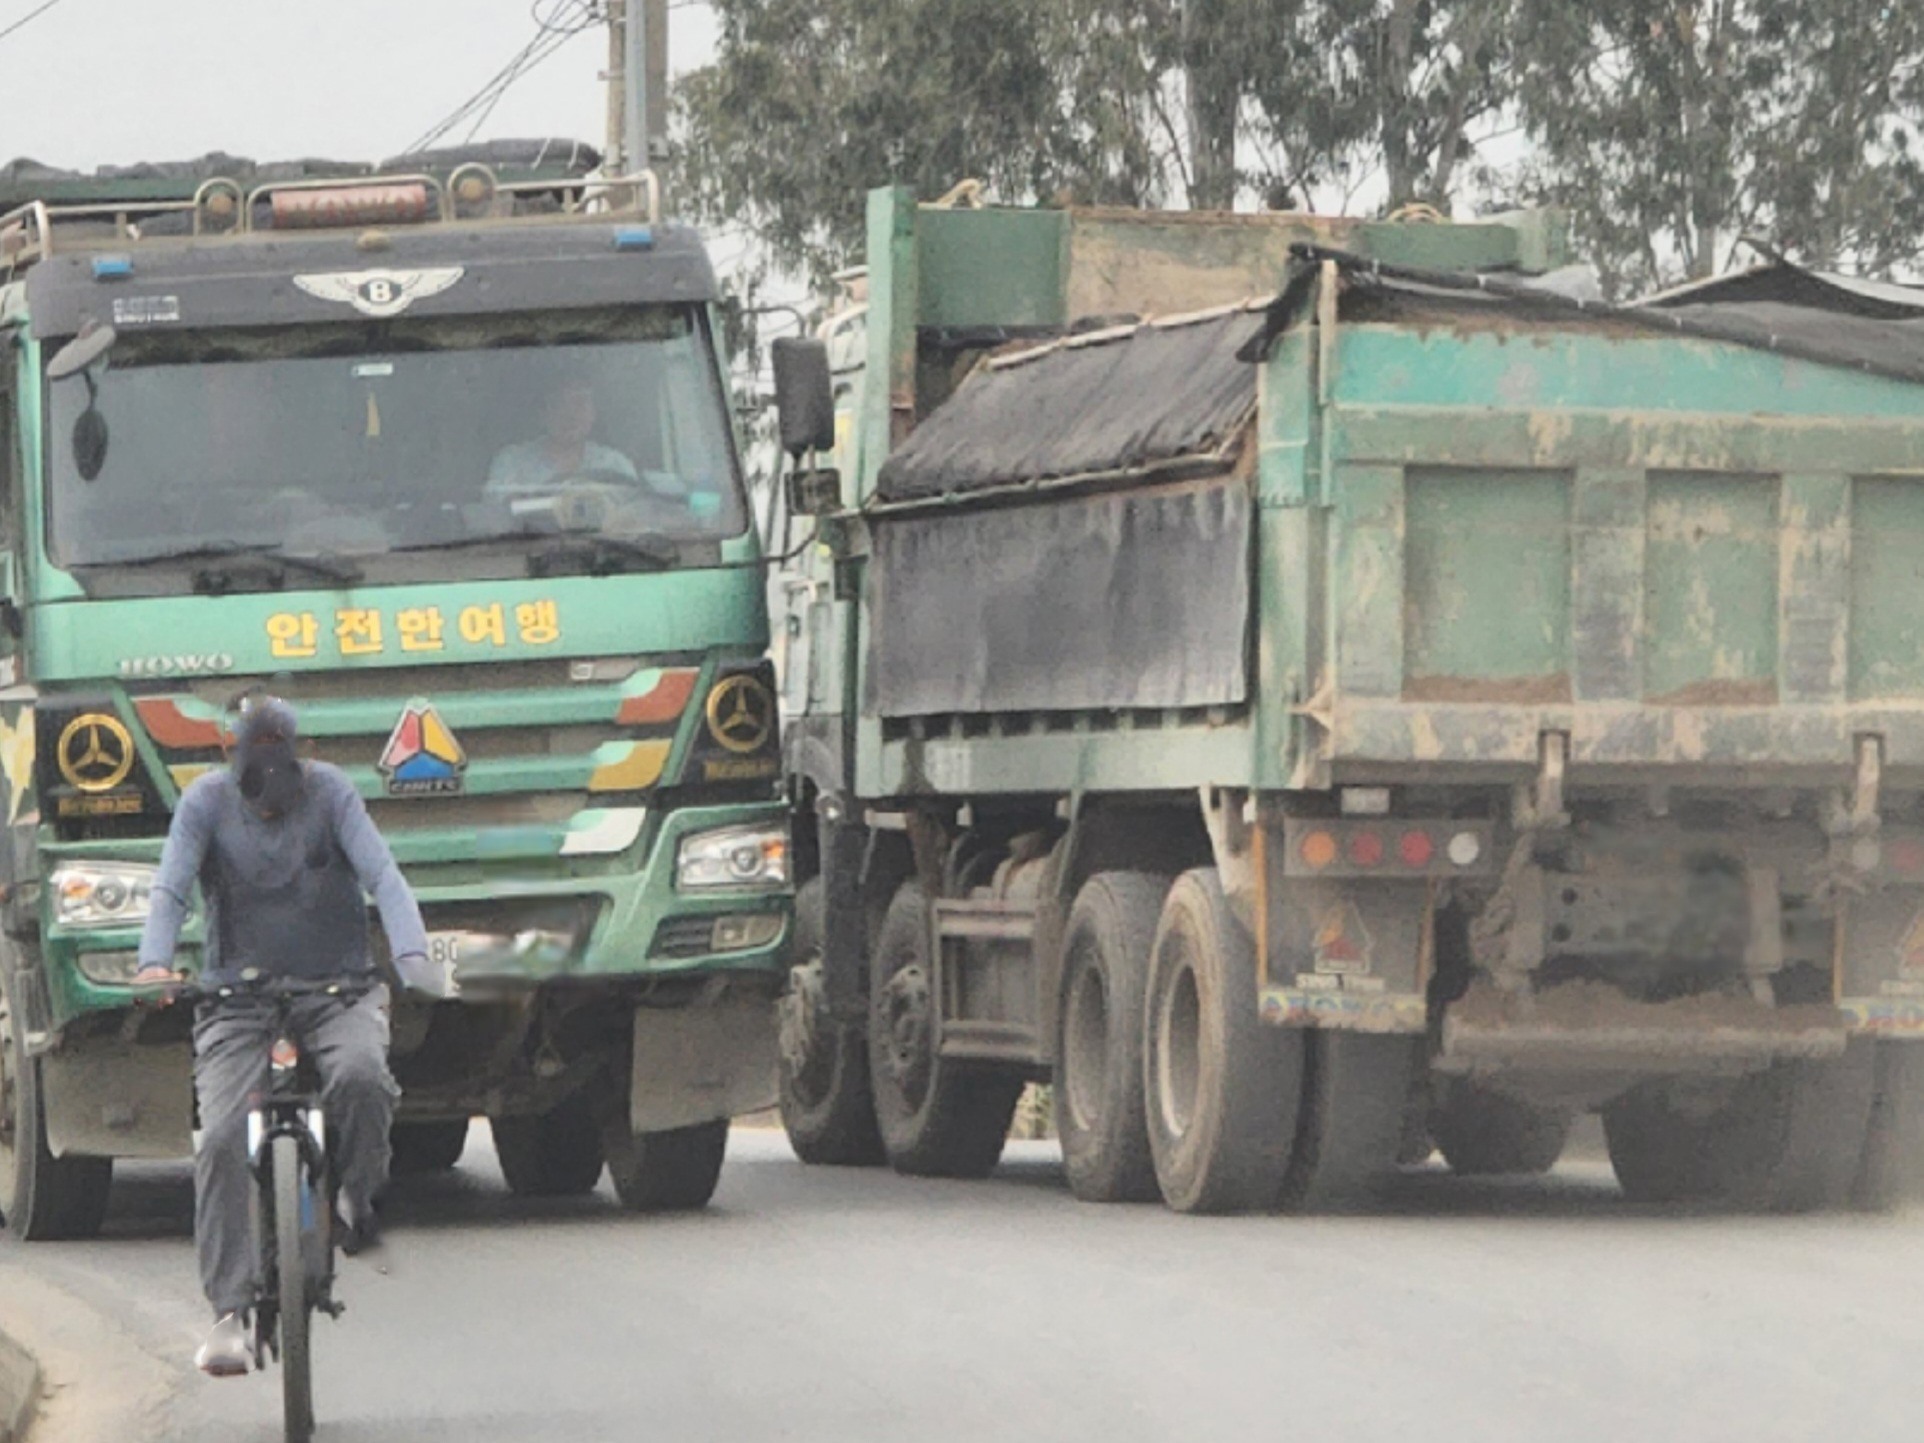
[[1669, 128], [1672, 129], [811, 102]]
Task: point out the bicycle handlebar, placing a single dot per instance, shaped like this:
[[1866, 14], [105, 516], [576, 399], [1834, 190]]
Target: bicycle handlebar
[[272, 989]]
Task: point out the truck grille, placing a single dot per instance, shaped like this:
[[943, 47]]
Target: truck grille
[[515, 757]]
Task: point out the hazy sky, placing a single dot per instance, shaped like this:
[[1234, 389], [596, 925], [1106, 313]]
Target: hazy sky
[[114, 81]]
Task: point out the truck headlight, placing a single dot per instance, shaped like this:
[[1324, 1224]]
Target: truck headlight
[[733, 857], [102, 893]]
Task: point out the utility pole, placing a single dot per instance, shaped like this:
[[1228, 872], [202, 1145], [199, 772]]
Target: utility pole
[[617, 15], [637, 82]]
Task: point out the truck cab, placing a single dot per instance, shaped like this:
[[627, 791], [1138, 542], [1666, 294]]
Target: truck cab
[[443, 454]]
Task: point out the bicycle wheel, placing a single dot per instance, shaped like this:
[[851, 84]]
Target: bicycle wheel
[[294, 1205]]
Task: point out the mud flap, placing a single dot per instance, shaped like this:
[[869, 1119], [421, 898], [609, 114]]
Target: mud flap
[[1351, 955], [1881, 990], [704, 1062], [109, 1098]]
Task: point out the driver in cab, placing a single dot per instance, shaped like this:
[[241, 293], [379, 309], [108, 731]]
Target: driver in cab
[[563, 451]]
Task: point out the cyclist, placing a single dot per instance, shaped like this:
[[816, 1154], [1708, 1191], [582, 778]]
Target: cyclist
[[283, 850]]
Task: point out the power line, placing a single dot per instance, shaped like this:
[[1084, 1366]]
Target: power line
[[556, 23], [32, 14]]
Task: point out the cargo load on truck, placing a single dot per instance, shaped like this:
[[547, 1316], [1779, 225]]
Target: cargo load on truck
[[1410, 702]]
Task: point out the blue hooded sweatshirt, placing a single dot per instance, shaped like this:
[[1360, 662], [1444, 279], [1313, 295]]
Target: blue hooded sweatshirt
[[285, 855]]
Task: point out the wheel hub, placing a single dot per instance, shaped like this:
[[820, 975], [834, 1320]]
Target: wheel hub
[[906, 1025], [1178, 1071], [1085, 1035]]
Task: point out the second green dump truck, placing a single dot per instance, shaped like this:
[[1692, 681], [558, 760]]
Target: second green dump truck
[[1318, 690], [442, 453]]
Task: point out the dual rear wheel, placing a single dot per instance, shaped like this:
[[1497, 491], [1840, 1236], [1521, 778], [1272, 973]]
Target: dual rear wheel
[[1169, 1083], [1242, 1116], [1800, 1136]]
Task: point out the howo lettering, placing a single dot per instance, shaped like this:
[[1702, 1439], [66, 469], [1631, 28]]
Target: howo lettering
[[443, 454]]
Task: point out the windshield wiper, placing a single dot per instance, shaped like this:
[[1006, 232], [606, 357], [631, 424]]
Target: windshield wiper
[[214, 580], [602, 555], [550, 553]]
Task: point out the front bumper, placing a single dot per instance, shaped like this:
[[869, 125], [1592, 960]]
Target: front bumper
[[627, 906]]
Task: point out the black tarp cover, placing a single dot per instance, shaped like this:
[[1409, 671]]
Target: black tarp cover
[[1124, 599], [1087, 405]]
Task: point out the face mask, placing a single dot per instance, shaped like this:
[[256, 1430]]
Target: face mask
[[265, 765]]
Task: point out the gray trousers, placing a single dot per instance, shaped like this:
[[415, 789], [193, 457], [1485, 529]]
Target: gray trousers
[[348, 1043]]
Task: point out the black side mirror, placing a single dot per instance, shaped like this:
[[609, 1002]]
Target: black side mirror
[[78, 358], [89, 442], [804, 395]]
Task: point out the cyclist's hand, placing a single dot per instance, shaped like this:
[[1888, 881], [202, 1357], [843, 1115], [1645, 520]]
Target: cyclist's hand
[[156, 986], [433, 981]]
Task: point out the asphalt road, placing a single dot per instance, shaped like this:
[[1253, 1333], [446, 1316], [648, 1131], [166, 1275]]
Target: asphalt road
[[860, 1307]]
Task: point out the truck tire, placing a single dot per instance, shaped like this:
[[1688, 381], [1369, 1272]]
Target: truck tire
[[1789, 1139], [555, 1155], [667, 1171], [1482, 1132], [1357, 1094], [937, 1118], [828, 1108], [421, 1147], [1222, 1089], [42, 1198], [1891, 1173], [1098, 1068]]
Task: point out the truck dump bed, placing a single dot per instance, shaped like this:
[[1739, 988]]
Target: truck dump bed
[[1425, 519]]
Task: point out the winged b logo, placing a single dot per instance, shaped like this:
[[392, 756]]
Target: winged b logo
[[380, 293]]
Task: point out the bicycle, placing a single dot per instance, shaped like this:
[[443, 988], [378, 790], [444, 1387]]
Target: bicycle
[[294, 1194]]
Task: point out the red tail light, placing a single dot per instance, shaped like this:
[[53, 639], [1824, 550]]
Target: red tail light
[[1366, 849], [1906, 854], [1415, 849]]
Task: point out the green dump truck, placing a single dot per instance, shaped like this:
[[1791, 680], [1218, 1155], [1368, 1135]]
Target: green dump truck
[[442, 453], [1325, 691]]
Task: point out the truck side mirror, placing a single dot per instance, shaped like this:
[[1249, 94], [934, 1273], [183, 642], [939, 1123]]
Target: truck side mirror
[[805, 410], [814, 493], [804, 395]]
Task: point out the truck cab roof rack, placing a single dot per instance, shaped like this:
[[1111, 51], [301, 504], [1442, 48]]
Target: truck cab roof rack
[[223, 195]]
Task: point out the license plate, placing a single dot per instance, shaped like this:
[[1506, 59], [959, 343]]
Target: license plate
[[447, 948]]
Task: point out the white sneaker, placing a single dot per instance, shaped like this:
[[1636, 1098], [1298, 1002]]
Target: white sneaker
[[225, 1353]]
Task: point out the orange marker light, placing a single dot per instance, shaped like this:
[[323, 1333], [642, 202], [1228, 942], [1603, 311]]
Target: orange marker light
[[1318, 849]]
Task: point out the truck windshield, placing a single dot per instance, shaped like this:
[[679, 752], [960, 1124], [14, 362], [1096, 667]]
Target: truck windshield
[[421, 449]]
